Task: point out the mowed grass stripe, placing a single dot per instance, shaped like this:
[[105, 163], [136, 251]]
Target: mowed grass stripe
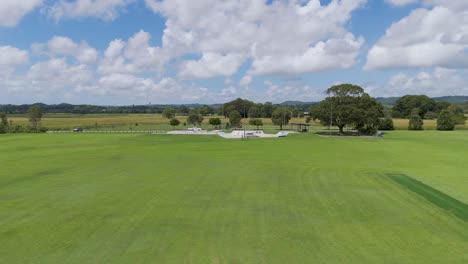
[[434, 196]]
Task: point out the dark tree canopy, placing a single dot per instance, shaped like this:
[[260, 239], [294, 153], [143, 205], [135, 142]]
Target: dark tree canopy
[[430, 115], [184, 109], [281, 116], [169, 113], [207, 110], [445, 121], [439, 106], [414, 105], [348, 104], [254, 112], [240, 105]]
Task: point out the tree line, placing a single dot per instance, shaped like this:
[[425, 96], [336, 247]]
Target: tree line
[[346, 105], [349, 105], [34, 113], [420, 107], [96, 109]]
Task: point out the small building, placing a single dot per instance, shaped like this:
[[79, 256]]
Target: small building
[[301, 127]]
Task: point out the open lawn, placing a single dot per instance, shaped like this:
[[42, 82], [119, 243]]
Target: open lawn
[[92, 198]]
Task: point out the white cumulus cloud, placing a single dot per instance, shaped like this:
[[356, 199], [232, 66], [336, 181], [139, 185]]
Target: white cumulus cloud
[[56, 74], [401, 2], [438, 82], [11, 57], [82, 52], [284, 37], [210, 65], [329, 55], [12, 11], [425, 38], [103, 9]]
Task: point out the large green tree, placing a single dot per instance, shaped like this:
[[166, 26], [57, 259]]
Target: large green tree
[[194, 117], [415, 104], [240, 105], [267, 109], [35, 116], [348, 104], [281, 116], [235, 118]]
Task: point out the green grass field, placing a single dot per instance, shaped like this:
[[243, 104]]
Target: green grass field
[[92, 198]]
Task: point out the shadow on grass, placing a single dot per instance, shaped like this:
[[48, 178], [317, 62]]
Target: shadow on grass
[[458, 208]]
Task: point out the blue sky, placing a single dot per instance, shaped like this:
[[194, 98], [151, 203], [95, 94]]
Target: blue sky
[[207, 51]]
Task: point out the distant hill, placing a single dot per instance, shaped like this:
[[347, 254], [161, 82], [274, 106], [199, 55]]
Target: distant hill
[[452, 99], [294, 103], [387, 100]]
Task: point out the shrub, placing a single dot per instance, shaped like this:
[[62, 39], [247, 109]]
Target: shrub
[[215, 121], [415, 123], [367, 130], [386, 124], [16, 129], [445, 121], [256, 122], [174, 122], [3, 129]]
